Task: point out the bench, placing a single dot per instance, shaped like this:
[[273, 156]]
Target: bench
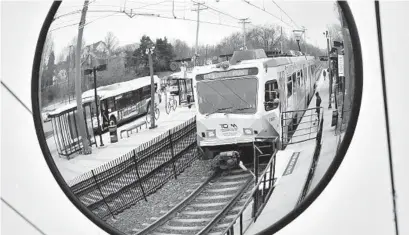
[[136, 127]]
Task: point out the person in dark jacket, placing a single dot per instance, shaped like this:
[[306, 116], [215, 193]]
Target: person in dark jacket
[[325, 74], [317, 103]]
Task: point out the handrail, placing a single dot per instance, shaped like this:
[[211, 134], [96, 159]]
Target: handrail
[[255, 189], [298, 110]]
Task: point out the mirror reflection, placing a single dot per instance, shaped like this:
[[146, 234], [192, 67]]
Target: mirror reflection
[[188, 117]]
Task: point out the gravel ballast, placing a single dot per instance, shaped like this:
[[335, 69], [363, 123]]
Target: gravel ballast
[[173, 192]]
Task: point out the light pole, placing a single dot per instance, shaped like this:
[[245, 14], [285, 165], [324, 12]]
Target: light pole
[[149, 51], [326, 34], [78, 92], [68, 73], [96, 106]]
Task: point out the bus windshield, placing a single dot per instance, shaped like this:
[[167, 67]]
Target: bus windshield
[[238, 93]]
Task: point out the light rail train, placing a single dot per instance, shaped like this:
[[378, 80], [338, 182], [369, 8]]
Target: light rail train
[[244, 98]]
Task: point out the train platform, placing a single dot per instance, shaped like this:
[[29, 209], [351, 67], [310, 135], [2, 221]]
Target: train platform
[[330, 140], [80, 164], [298, 158]]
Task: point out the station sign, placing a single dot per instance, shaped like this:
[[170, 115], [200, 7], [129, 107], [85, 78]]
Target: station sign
[[227, 74], [341, 65]]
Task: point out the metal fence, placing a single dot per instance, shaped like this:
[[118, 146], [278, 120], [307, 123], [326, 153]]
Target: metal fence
[[119, 184], [300, 129], [265, 185]]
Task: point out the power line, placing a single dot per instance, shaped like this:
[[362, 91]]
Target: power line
[[286, 14], [147, 15], [79, 11], [218, 11], [267, 13], [73, 12]]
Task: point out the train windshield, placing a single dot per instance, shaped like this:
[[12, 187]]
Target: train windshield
[[238, 95]]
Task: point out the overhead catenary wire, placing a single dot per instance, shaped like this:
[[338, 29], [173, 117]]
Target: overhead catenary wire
[[134, 8], [286, 14], [216, 10], [251, 4], [73, 12], [146, 15]]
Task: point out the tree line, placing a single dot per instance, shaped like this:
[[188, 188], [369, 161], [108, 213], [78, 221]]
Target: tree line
[[130, 61]]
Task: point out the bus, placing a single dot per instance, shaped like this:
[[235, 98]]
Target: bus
[[123, 101]]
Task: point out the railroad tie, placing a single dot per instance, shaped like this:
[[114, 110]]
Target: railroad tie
[[159, 233], [226, 196], [208, 204], [190, 220], [235, 176], [182, 228], [207, 212], [231, 183], [219, 190]]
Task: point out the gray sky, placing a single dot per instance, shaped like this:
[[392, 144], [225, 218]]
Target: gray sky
[[315, 16]]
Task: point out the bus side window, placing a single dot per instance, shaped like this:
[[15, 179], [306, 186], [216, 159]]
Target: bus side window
[[111, 104]]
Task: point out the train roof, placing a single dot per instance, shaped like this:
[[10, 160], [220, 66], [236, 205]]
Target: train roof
[[108, 91], [270, 62]]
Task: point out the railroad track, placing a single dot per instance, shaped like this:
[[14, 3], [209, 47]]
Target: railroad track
[[210, 208]]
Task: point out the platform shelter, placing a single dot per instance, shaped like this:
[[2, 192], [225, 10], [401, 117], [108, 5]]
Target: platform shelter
[[185, 86], [66, 130]]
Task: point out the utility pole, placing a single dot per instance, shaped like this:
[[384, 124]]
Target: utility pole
[[68, 73], [96, 105], [206, 54], [197, 28], [281, 40], [244, 21], [305, 42], [149, 51], [78, 91], [348, 75], [329, 69]]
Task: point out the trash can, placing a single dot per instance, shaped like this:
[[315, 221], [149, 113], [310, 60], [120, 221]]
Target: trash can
[[113, 132]]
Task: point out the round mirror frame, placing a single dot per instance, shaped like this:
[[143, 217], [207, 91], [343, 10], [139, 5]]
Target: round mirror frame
[[356, 104]]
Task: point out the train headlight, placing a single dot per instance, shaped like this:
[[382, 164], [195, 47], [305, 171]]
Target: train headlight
[[247, 131], [211, 133]]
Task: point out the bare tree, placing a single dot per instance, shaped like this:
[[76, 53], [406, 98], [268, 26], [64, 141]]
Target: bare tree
[[265, 37], [335, 31], [111, 42], [181, 49], [48, 48]]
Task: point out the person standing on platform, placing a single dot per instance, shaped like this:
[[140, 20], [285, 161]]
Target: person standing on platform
[[324, 73], [317, 105]]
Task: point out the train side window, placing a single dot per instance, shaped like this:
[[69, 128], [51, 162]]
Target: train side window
[[271, 97], [289, 87], [299, 79]]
